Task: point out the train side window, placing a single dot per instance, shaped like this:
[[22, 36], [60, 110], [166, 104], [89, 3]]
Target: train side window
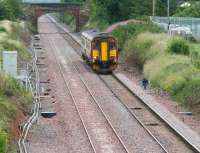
[[96, 45], [112, 45]]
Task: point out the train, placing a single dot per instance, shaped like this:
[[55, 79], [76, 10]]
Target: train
[[100, 50]]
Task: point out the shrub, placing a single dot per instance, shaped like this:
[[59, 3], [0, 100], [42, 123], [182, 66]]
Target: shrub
[[10, 86], [3, 141], [13, 45], [178, 46], [189, 95], [7, 25], [145, 47], [2, 29], [96, 23], [195, 55], [165, 70], [124, 33], [176, 75]]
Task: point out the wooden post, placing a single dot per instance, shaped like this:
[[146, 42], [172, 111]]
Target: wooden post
[[154, 5]]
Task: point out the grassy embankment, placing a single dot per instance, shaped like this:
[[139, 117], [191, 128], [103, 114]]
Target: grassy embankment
[[66, 19], [15, 102], [171, 64]]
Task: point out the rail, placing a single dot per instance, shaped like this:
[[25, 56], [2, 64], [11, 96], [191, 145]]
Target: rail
[[195, 148], [73, 99], [94, 99]]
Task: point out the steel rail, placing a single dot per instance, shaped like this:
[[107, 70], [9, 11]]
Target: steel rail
[[193, 147], [178, 134], [71, 95], [96, 102], [140, 122], [148, 131], [75, 41], [134, 115]]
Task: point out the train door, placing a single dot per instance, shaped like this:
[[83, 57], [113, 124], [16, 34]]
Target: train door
[[95, 52], [113, 54]]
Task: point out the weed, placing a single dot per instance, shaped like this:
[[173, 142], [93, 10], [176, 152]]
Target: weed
[[178, 45]]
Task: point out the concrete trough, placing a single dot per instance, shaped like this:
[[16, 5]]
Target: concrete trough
[[48, 114]]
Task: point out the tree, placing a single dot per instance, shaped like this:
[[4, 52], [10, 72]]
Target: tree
[[10, 9], [192, 11], [146, 7]]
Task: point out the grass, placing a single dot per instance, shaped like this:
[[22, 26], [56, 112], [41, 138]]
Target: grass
[[195, 54], [179, 46], [130, 31], [102, 25], [12, 39], [145, 46], [12, 96], [12, 93], [3, 141], [171, 64]]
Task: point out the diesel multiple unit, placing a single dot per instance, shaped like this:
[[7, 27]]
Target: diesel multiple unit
[[100, 50]]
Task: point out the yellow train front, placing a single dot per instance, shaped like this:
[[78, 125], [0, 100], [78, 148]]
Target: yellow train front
[[100, 51]]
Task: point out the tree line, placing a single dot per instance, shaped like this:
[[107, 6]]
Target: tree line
[[10, 9], [116, 10], [111, 11]]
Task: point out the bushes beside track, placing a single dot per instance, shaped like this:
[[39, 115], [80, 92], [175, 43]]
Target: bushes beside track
[[170, 64], [130, 31], [13, 97]]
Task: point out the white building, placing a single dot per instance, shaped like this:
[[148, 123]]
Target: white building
[[185, 4]]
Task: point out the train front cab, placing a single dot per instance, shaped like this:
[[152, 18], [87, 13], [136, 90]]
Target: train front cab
[[104, 54]]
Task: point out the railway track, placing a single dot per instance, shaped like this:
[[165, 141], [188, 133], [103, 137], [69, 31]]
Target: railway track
[[148, 119], [76, 68], [148, 127], [121, 147], [139, 121]]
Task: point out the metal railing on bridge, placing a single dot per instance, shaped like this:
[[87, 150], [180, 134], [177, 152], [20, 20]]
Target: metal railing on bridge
[[41, 1], [192, 23]]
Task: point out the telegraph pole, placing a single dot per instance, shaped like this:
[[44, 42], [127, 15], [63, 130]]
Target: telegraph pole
[[154, 6], [168, 8]]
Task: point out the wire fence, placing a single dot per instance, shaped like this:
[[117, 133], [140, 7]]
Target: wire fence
[[192, 23]]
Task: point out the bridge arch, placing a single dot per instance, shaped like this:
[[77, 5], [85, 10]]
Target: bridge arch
[[40, 9]]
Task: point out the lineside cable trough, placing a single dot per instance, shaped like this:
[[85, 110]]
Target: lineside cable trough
[[33, 85]]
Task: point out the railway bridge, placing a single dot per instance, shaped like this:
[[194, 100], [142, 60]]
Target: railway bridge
[[36, 8]]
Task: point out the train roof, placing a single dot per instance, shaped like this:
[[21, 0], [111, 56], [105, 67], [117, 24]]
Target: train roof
[[93, 33]]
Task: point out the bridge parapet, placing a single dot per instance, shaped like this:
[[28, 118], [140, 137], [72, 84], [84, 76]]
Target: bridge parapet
[[41, 8]]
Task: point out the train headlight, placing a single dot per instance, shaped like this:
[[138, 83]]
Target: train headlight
[[95, 54], [113, 53]]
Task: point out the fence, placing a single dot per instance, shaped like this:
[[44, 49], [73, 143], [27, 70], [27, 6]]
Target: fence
[[192, 23]]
